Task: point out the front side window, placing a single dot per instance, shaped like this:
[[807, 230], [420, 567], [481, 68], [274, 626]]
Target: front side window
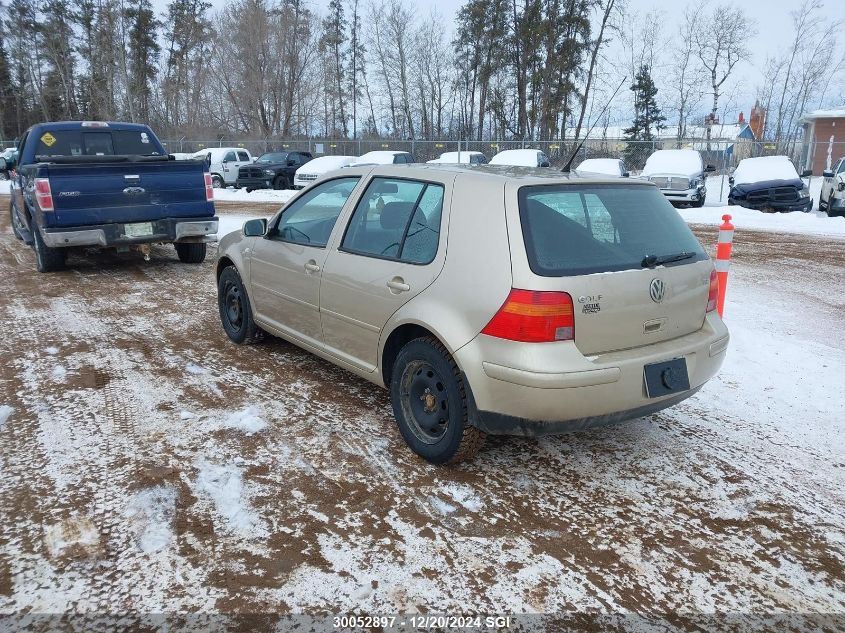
[[397, 219], [578, 230], [229, 157], [309, 219], [841, 167]]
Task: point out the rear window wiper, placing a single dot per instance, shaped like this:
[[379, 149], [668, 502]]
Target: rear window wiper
[[650, 261]]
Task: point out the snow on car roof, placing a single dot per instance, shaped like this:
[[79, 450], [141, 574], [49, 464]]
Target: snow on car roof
[[610, 166], [323, 164], [764, 168], [455, 157], [516, 157], [685, 162]]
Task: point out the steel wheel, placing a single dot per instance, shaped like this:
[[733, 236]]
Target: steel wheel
[[425, 401], [233, 304]]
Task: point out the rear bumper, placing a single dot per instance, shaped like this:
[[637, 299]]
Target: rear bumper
[[557, 389], [255, 183], [106, 235]]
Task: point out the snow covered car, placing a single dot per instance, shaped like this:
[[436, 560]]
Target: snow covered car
[[384, 157], [316, 167], [460, 158], [521, 158], [680, 174], [560, 303], [602, 167], [771, 184], [832, 198]]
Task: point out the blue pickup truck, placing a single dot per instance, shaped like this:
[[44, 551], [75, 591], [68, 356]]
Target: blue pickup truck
[[107, 185]]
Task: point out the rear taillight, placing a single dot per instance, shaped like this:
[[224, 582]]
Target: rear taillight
[[43, 194], [209, 187], [713, 293], [532, 316]]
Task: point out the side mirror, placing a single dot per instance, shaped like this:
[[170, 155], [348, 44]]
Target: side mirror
[[626, 174], [255, 228], [709, 169], [291, 162], [806, 173], [545, 163], [731, 180], [827, 173]]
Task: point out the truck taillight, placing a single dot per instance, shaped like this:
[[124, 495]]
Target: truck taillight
[[209, 187], [713, 293], [532, 316], [43, 195]]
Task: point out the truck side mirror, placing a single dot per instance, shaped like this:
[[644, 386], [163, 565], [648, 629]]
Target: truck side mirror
[[626, 174], [827, 173], [291, 162], [806, 173], [731, 181], [255, 228]]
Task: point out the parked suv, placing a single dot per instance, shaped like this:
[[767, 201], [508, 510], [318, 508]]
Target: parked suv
[[509, 330], [273, 170], [832, 197], [680, 174]]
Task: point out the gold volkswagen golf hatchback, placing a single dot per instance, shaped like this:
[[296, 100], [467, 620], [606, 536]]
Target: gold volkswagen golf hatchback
[[486, 299]]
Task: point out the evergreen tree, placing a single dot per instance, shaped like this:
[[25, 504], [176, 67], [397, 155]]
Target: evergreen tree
[[648, 120], [332, 45], [143, 50]]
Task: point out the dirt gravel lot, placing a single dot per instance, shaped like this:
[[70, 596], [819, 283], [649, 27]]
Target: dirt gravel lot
[[149, 465]]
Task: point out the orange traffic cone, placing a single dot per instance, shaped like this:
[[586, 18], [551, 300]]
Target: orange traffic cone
[[723, 259]]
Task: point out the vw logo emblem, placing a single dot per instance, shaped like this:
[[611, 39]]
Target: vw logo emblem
[[657, 290]]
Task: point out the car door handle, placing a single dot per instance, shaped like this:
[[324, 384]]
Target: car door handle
[[398, 284], [312, 267]]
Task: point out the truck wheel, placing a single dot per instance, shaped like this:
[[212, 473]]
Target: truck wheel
[[15, 221], [235, 310], [430, 404], [698, 203], [47, 259], [217, 181], [191, 253], [280, 183]]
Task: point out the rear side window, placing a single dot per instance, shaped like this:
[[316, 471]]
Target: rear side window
[[101, 142], [578, 230], [397, 219], [243, 156]]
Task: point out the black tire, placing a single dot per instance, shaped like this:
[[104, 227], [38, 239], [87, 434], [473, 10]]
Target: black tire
[[235, 309], [47, 259], [698, 203], [430, 404], [217, 181], [15, 221], [249, 189], [280, 182], [191, 253]]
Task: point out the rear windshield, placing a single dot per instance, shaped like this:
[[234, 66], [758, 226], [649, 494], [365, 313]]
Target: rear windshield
[[100, 142], [577, 230]]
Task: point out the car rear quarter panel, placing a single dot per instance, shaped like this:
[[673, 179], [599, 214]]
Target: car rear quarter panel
[[476, 276]]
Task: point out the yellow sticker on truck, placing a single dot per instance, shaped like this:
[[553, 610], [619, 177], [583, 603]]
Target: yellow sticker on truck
[[48, 139]]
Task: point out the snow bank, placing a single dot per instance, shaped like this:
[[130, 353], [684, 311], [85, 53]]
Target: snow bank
[[673, 161], [813, 223], [150, 513], [764, 168], [259, 195], [224, 486], [5, 412], [247, 420]]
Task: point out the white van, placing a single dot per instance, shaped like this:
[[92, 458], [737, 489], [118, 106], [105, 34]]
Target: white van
[[225, 163]]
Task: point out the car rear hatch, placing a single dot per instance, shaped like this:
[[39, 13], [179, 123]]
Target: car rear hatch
[[608, 246], [101, 193]]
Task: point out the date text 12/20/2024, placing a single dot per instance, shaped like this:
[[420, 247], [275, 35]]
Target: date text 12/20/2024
[[419, 621]]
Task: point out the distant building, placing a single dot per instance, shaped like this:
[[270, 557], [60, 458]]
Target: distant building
[[824, 139]]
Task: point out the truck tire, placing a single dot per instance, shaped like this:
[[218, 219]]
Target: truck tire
[[235, 309], [217, 181], [280, 182], [47, 259], [191, 253], [698, 203], [430, 403]]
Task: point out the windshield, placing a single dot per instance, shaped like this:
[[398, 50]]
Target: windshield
[[578, 230], [100, 142], [276, 157]]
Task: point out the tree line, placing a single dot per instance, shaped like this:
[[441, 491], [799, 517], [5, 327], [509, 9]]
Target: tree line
[[514, 69]]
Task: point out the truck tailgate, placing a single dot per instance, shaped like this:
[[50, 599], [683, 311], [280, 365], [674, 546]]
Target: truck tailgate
[[102, 193]]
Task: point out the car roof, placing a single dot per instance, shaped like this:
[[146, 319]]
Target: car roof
[[489, 173]]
